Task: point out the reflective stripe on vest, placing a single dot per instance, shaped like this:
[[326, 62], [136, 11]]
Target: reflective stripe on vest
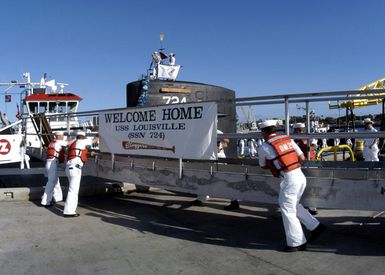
[[286, 155], [74, 152]]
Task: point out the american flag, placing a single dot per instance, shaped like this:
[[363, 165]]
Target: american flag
[[18, 115]]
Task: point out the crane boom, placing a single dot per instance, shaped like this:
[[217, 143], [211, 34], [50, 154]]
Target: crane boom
[[357, 102]]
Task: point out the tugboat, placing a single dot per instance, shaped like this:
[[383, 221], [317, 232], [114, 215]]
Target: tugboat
[[44, 109], [43, 101]]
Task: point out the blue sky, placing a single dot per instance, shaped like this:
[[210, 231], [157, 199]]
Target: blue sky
[[253, 47]]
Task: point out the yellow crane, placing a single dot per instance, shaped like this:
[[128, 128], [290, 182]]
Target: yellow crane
[[357, 102]]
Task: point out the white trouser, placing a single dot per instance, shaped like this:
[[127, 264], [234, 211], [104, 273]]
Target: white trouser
[[293, 213], [252, 148], [371, 154], [24, 158], [52, 188], [241, 147], [74, 175]]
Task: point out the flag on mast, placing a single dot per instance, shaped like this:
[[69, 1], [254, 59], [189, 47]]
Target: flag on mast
[[18, 115]]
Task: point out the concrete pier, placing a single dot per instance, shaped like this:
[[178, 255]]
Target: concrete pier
[[158, 233]]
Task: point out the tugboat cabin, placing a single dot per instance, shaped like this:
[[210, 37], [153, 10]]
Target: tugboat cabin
[[52, 104]]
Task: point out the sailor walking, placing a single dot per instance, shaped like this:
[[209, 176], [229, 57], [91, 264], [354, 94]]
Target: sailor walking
[[371, 144], [299, 128], [221, 145], [282, 156], [77, 157], [55, 155]]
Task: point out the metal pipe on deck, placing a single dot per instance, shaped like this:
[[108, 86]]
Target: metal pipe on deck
[[308, 129], [287, 117]]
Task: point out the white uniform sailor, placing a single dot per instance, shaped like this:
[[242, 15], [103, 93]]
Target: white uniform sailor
[[23, 155], [156, 60], [221, 145], [282, 149], [77, 156], [241, 148], [252, 145], [171, 59], [370, 144], [55, 155]]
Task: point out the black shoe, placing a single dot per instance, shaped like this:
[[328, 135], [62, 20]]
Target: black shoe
[[316, 232], [313, 211], [196, 203], [234, 205], [301, 247], [71, 215]]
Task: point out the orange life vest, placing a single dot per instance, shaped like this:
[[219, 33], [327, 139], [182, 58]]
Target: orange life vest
[[74, 152], [302, 144], [52, 153], [286, 155]]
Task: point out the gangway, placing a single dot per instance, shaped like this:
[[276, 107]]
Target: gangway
[[331, 184], [42, 128]]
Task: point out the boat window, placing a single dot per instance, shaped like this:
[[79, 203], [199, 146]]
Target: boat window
[[52, 107], [62, 107], [43, 107], [32, 106], [72, 106]]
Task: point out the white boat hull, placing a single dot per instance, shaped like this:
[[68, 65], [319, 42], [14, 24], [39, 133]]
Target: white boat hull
[[10, 148]]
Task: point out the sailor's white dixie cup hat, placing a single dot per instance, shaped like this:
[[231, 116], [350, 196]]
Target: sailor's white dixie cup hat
[[314, 141], [80, 133], [298, 125], [59, 133], [367, 121], [267, 123]]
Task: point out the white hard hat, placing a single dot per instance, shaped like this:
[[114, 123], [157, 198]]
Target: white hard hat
[[219, 132], [298, 125], [80, 133], [367, 121], [59, 133], [267, 123]]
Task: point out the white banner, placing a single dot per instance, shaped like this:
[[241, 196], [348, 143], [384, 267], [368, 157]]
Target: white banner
[[168, 71], [172, 131]]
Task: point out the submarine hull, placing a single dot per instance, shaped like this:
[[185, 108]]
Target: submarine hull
[[161, 92]]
